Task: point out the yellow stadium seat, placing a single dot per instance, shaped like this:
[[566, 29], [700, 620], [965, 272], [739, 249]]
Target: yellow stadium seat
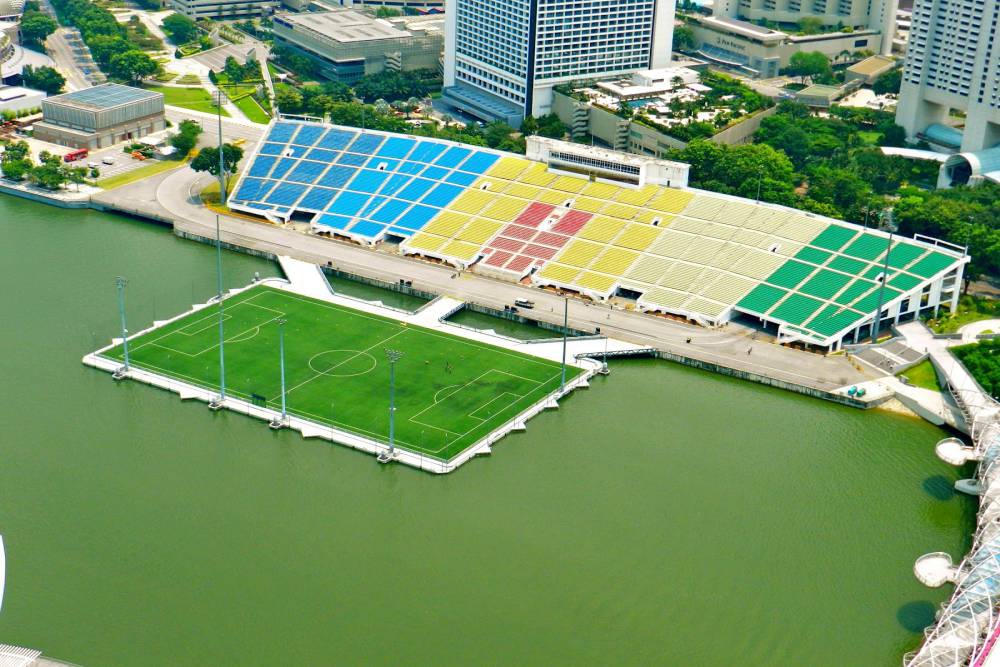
[[559, 273], [580, 253], [509, 168], [638, 236], [461, 250], [538, 175], [616, 210], [615, 261], [637, 196], [446, 223], [569, 184], [601, 190], [422, 241], [472, 201], [589, 204], [595, 281], [480, 231], [601, 229]]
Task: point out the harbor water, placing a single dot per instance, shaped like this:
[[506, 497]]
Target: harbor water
[[664, 516]]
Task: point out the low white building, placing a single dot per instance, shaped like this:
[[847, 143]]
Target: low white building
[[16, 98]]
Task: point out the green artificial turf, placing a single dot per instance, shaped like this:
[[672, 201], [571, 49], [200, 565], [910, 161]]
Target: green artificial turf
[[450, 391], [196, 99]]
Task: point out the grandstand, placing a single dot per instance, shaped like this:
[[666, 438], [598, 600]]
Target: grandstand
[[585, 222]]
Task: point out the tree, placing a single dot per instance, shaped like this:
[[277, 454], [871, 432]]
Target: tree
[[18, 150], [810, 25], [208, 159], [288, 99], [496, 133], [132, 66], [180, 29], [809, 64], [16, 170], [49, 175], [233, 69], [186, 138], [888, 82], [529, 125], [105, 47], [36, 27], [683, 38], [551, 126], [43, 78], [75, 175]]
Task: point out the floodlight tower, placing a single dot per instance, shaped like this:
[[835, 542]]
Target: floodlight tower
[[885, 277], [219, 96], [393, 356], [278, 423], [562, 381], [120, 283], [215, 404]]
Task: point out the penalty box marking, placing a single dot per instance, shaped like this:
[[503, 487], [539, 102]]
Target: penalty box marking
[[472, 414]]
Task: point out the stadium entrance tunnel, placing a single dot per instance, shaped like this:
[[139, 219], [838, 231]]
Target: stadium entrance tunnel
[[969, 168]]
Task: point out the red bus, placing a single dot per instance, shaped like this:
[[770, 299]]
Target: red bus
[[78, 154]]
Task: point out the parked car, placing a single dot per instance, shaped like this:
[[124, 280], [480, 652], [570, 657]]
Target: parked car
[[524, 303], [107, 159]]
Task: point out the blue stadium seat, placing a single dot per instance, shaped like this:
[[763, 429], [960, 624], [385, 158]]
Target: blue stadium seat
[[371, 206], [479, 162], [337, 176], [382, 164], [442, 195], [352, 159], [252, 189], [410, 167], [366, 143], [394, 184], [396, 147], [389, 211], [307, 171], [261, 166], [434, 173], [321, 155], [308, 134], [282, 132], [368, 180], [348, 203], [335, 221], [317, 198], [426, 151], [461, 178], [285, 194], [280, 169], [367, 228], [272, 149], [452, 157], [399, 231], [417, 217], [417, 188], [337, 139]]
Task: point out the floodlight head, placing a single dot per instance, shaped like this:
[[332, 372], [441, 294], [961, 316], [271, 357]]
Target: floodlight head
[[392, 355], [281, 321], [120, 281]]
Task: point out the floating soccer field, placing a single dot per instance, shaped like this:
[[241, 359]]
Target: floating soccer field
[[450, 392]]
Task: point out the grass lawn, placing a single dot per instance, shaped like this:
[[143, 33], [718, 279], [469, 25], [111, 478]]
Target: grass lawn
[[145, 171], [248, 105], [970, 309], [923, 375], [450, 392], [869, 137], [196, 99]]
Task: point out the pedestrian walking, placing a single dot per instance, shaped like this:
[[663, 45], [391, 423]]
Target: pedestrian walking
[[749, 350]]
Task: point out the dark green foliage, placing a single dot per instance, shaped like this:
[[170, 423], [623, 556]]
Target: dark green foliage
[[683, 38], [132, 66], [180, 29], [208, 159], [983, 361], [43, 78], [390, 85], [35, 28], [888, 82], [186, 138]]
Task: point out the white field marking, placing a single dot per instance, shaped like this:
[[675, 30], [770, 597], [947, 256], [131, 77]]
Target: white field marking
[[464, 386], [492, 401], [170, 349], [237, 338], [438, 392], [420, 329], [211, 347], [214, 322], [356, 353], [320, 420], [351, 358]]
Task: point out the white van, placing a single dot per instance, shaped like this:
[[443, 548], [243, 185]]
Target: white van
[[107, 159]]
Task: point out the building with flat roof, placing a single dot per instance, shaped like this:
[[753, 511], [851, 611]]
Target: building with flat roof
[[17, 98], [502, 59], [762, 52], [953, 64], [870, 69], [223, 9], [347, 44], [875, 15], [100, 116]]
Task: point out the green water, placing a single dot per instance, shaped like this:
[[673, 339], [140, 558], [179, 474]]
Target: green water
[[511, 328], [664, 516], [366, 292]]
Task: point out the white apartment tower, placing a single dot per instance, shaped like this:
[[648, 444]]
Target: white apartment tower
[[952, 63], [502, 57]]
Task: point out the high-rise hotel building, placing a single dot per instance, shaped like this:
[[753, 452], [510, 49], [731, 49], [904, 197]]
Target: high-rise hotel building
[[953, 63], [502, 57]]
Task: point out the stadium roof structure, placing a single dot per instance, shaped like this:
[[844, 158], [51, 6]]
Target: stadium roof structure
[[681, 251]]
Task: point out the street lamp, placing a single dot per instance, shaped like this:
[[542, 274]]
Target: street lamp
[[120, 283], [278, 423], [393, 356], [562, 380], [215, 404]]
